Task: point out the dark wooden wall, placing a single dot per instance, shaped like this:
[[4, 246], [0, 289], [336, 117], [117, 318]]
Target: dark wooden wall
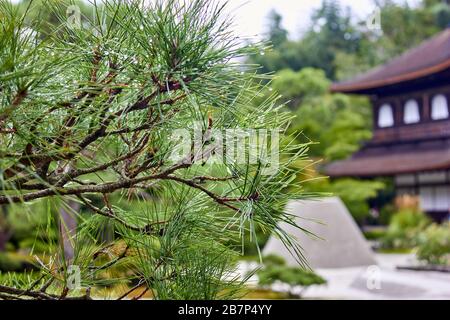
[[426, 129]]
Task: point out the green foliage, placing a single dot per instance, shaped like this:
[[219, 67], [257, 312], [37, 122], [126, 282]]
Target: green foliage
[[10, 262], [27, 228], [50, 18], [273, 259], [198, 278], [338, 123], [404, 27], [297, 87], [343, 46], [16, 279], [413, 229], [275, 269], [386, 213], [289, 275], [260, 236], [441, 13], [349, 65], [408, 219], [34, 245], [375, 234], [434, 244], [331, 31], [353, 192], [276, 33], [403, 229], [345, 135]]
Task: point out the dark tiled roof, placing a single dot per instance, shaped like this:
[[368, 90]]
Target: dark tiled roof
[[388, 164], [430, 57]]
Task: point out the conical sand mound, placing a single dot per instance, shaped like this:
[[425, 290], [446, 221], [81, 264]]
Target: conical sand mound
[[343, 244]]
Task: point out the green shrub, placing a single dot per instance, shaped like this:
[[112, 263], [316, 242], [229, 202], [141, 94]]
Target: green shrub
[[275, 269], [409, 219], [404, 228], [273, 259], [386, 213], [375, 234], [353, 192], [434, 244], [36, 246], [291, 275], [9, 247], [9, 263]]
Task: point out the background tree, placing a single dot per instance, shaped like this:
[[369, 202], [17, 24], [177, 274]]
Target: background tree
[[338, 46], [330, 31], [88, 115], [343, 46], [335, 125], [276, 34]]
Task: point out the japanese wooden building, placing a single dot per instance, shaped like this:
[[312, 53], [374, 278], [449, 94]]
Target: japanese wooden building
[[411, 139]]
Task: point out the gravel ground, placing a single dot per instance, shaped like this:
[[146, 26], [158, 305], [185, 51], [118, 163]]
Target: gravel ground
[[382, 281]]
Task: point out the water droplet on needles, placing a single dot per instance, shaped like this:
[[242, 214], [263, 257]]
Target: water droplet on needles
[[141, 27], [262, 53]]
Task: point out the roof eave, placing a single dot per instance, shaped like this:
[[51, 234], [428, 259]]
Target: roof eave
[[358, 87]]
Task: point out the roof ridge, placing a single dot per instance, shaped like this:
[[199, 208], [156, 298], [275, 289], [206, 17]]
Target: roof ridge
[[439, 40]]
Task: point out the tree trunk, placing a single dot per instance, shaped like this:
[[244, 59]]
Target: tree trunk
[[67, 227], [5, 233]]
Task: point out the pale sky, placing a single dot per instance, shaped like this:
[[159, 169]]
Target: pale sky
[[250, 15]]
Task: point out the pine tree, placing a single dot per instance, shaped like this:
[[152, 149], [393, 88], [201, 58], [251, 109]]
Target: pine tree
[[93, 112]]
